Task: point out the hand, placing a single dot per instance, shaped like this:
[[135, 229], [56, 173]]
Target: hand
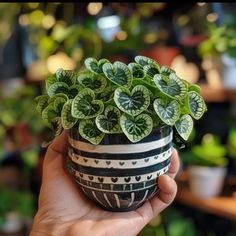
[[65, 211]]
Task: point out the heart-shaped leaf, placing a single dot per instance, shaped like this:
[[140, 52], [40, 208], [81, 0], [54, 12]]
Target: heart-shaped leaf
[[89, 131], [194, 87], [118, 73], [107, 94], [196, 105], [58, 95], [132, 103], [51, 79], [172, 86], [67, 120], [151, 70], [137, 70], [66, 76], [49, 113], [95, 66], [95, 82], [144, 61], [84, 106], [42, 102], [184, 126], [56, 126], [165, 70], [109, 122], [168, 112], [136, 128], [58, 104]]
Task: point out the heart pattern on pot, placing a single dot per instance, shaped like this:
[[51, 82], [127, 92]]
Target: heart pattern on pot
[[132, 103], [168, 112], [89, 131], [184, 126], [136, 128], [84, 105], [95, 66], [118, 73], [109, 122], [67, 120]]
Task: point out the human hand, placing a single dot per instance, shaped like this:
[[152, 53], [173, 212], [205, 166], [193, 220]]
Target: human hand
[[65, 211]]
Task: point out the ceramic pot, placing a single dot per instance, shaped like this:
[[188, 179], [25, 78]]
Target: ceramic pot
[[116, 174], [205, 181]]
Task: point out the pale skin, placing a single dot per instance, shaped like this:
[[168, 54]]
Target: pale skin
[[64, 210]]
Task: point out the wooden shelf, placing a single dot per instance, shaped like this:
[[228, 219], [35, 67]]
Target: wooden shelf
[[224, 206], [217, 94]]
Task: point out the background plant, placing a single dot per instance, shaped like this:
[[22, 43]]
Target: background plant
[[133, 99]]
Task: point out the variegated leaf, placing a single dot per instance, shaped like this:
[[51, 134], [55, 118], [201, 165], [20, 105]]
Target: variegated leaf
[[89, 131], [95, 66], [107, 94], [136, 128], [42, 102], [58, 104], [132, 103], [58, 95], [67, 120], [49, 113], [165, 70], [196, 105], [184, 126], [95, 82], [65, 76], [109, 122], [168, 112], [172, 86], [151, 70], [137, 70], [144, 61], [118, 73], [84, 105]]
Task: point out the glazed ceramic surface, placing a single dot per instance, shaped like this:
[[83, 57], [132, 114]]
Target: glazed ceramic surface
[[119, 175]]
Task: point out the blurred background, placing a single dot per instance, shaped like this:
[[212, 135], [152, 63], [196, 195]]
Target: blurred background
[[197, 40]]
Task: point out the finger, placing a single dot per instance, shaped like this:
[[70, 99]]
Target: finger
[[175, 164], [158, 203]]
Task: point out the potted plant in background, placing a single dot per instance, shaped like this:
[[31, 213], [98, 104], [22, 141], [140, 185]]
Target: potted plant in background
[[121, 120], [206, 167], [221, 43]]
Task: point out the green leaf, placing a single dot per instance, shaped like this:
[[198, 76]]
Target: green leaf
[[95, 82], [67, 120], [58, 95], [144, 61], [165, 70], [42, 102], [172, 86], [107, 94], [132, 103], [136, 128], [184, 126], [58, 87], [89, 131], [168, 112], [118, 73], [51, 79], [109, 122], [194, 87], [58, 104], [85, 107], [95, 66], [65, 76], [57, 126], [137, 70], [48, 114], [151, 70], [196, 105]]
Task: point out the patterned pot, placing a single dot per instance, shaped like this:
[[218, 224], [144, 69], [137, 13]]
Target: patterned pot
[[116, 174]]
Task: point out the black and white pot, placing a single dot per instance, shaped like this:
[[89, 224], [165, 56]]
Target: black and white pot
[[119, 175]]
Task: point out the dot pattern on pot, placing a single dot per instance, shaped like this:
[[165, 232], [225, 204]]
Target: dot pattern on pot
[[120, 176]]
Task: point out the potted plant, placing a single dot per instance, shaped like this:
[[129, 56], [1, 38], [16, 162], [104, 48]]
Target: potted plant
[[121, 120], [206, 167], [220, 43]]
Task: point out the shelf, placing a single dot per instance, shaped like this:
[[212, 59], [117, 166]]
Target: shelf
[[224, 206], [216, 94]]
